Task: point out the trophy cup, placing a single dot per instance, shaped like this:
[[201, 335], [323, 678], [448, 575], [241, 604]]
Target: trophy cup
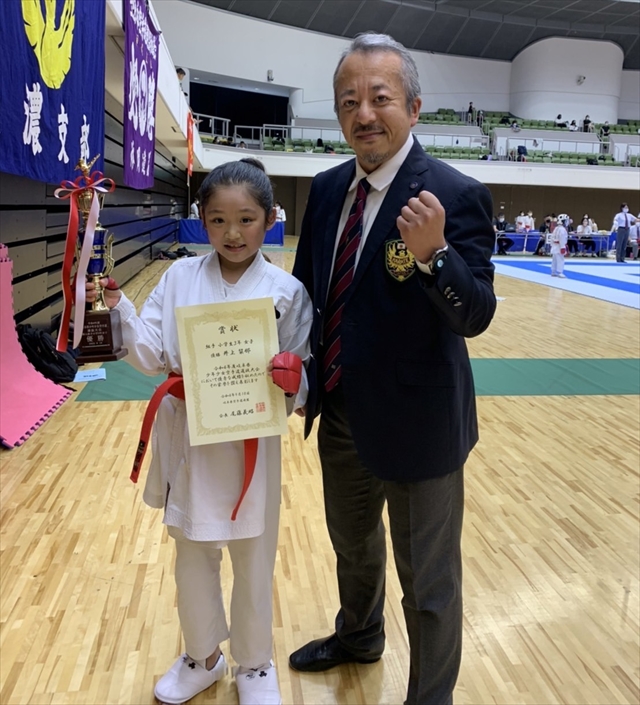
[[102, 333]]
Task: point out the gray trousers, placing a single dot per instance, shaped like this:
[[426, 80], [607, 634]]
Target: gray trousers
[[622, 239], [425, 520]]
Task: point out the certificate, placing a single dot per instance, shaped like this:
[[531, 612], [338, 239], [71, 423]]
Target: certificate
[[225, 349]]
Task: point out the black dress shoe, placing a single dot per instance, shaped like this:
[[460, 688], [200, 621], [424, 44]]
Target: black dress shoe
[[323, 654]]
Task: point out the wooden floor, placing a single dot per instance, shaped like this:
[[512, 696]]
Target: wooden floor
[[551, 544]]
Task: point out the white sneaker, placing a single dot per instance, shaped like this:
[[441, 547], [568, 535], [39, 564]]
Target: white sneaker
[[258, 686], [562, 276], [186, 678]]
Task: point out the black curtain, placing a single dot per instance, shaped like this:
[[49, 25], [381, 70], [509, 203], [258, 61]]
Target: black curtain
[[241, 107]]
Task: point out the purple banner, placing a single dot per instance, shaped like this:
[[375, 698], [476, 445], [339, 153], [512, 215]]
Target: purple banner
[[142, 41]]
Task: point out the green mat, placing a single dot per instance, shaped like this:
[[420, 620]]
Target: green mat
[[123, 383], [556, 377], [493, 377]]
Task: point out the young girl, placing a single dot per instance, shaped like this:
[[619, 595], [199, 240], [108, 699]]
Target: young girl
[[559, 239], [198, 487]]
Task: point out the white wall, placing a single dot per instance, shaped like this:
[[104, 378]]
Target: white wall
[[518, 173], [630, 96], [543, 80], [212, 40]]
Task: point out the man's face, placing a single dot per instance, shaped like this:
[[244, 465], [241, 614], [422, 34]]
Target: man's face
[[372, 106]]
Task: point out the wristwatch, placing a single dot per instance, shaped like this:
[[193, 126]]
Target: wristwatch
[[436, 263]]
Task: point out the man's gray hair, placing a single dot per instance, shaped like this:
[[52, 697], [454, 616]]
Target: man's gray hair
[[369, 42]]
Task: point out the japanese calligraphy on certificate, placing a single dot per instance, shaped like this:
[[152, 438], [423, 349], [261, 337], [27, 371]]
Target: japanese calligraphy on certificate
[[225, 350]]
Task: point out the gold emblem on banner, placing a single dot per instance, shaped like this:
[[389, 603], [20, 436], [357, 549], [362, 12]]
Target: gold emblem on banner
[[401, 264], [51, 45]]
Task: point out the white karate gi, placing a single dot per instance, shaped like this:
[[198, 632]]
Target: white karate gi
[[559, 239], [199, 486]]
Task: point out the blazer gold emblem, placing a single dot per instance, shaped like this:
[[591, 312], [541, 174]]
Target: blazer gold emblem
[[401, 264]]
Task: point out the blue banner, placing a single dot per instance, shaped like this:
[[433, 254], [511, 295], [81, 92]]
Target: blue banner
[[52, 90]]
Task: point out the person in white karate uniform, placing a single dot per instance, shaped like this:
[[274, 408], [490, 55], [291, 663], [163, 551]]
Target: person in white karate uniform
[[199, 487], [559, 238]]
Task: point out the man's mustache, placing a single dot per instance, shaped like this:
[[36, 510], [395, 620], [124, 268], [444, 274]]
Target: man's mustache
[[368, 128]]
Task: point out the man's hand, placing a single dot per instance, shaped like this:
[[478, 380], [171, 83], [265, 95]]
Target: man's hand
[[421, 226], [110, 290]]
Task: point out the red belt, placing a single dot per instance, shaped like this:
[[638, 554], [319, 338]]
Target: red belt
[[174, 385]]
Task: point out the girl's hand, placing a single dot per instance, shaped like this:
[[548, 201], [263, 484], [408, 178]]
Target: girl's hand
[[111, 292], [286, 371]]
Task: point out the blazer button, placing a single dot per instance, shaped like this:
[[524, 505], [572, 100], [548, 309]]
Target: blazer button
[[447, 290]]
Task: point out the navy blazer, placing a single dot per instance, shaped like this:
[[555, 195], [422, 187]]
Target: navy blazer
[[406, 374]]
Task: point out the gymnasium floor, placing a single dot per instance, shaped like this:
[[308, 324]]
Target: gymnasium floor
[[551, 540]]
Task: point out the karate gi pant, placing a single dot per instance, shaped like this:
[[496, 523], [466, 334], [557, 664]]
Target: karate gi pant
[[200, 603], [557, 263]]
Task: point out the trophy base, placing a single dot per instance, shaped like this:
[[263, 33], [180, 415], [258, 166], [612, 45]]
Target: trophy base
[[101, 338], [83, 359]]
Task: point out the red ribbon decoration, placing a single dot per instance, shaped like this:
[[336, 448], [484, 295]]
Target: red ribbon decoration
[[95, 182]]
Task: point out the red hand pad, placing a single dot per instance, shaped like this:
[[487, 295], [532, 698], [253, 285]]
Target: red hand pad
[[287, 371]]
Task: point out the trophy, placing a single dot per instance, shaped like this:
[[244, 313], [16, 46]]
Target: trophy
[[101, 339]]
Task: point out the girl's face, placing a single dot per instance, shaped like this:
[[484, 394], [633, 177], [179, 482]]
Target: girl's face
[[236, 225]]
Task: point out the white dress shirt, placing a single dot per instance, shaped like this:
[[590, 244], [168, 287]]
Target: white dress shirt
[[623, 220], [380, 180]]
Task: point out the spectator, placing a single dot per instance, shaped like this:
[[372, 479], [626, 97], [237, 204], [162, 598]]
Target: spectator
[[470, 112], [319, 142], [194, 212], [505, 120], [592, 223], [515, 127], [503, 242], [544, 230], [180, 73], [605, 130], [281, 216], [521, 222], [586, 124], [560, 122], [328, 149], [573, 127], [242, 145], [479, 118], [584, 232], [529, 222]]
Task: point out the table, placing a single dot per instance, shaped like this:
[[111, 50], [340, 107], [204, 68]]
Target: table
[[275, 236], [527, 242], [191, 230]]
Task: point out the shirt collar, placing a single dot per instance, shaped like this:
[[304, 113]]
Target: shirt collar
[[386, 173]]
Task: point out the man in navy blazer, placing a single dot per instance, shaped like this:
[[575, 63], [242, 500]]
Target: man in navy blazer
[[390, 374]]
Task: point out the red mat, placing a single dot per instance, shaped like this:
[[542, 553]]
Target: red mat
[[27, 399]]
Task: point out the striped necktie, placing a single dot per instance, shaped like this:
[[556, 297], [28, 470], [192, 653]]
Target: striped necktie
[[343, 270]]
